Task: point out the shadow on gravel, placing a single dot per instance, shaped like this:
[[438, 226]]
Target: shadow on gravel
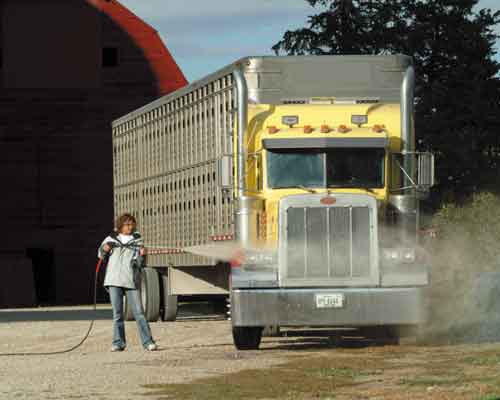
[[54, 315], [308, 344], [187, 312], [317, 340]]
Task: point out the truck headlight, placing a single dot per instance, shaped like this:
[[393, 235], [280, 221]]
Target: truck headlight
[[408, 255], [404, 255], [391, 254]]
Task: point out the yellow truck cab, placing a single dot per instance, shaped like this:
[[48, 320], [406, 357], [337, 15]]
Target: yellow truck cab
[[309, 165]]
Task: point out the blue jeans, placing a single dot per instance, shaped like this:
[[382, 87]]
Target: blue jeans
[[116, 295]]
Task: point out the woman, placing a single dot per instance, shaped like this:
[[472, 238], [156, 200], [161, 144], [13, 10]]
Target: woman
[[126, 251]]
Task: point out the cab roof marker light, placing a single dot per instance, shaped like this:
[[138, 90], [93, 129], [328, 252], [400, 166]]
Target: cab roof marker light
[[325, 129], [343, 129], [378, 128], [308, 129], [272, 130]]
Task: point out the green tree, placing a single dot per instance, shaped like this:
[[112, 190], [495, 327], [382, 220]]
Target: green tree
[[458, 86]]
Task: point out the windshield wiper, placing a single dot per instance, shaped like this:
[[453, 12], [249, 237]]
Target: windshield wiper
[[298, 187]]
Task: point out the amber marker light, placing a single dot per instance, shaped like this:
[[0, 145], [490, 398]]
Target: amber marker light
[[343, 129], [378, 128], [272, 130], [328, 200], [325, 129], [308, 129]]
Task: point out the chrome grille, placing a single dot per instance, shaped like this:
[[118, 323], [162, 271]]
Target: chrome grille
[[327, 242]]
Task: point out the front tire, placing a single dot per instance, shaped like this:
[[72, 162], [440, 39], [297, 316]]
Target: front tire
[[382, 334], [247, 337]]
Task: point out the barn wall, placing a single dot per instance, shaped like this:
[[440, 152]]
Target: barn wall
[[57, 102]]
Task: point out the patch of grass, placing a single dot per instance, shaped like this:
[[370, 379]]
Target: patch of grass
[[342, 372], [319, 377], [490, 397], [483, 360], [432, 380]]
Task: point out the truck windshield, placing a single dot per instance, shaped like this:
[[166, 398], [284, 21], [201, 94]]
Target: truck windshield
[[337, 168]]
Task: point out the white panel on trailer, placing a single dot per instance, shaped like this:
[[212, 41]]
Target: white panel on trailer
[[165, 169]]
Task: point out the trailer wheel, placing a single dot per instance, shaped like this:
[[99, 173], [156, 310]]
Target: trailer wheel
[[150, 294], [247, 337], [169, 312]]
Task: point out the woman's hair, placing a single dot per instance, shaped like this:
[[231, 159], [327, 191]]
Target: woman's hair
[[123, 219]]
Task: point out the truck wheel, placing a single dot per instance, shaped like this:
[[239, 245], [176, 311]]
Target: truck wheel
[[150, 294], [392, 335], [169, 312], [382, 334], [247, 337]]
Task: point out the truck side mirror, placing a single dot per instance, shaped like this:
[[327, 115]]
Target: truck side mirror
[[425, 178], [225, 172]]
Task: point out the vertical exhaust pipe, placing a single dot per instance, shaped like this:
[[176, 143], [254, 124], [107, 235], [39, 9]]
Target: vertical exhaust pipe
[[407, 126], [242, 210], [409, 218]]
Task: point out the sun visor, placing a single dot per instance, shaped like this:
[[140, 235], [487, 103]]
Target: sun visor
[[319, 143]]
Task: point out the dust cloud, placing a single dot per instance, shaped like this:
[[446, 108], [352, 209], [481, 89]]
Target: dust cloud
[[464, 295]]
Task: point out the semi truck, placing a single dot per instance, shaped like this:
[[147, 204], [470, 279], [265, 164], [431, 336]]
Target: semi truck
[[308, 166]]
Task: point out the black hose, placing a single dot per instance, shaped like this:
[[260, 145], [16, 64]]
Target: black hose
[[102, 261], [89, 330]]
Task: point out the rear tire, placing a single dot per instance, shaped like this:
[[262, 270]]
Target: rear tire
[[247, 337], [150, 294], [169, 312]]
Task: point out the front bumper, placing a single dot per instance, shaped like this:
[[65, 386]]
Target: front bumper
[[297, 307]]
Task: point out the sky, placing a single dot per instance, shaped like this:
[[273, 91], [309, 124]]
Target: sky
[[205, 35]]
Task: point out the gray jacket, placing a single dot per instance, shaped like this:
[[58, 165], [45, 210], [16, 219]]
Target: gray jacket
[[122, 268]]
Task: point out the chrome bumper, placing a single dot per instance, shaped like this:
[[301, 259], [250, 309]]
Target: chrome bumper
[[297, 307]]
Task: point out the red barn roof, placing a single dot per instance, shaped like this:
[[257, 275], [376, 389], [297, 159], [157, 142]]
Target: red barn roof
[[169, 75]]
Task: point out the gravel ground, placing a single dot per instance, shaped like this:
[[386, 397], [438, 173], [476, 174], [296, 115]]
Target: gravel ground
[[188, 349], [199, 345]]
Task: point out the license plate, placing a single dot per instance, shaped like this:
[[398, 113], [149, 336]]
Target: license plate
[[330, 300]]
